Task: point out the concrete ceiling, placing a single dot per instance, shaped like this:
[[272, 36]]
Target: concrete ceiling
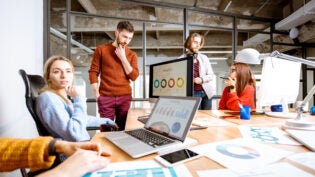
[[164, 25]]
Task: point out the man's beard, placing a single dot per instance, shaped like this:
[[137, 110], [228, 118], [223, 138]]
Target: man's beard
[[121, 43], [194, 50]]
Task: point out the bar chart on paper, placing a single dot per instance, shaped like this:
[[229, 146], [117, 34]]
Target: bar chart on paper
[[140, 169]]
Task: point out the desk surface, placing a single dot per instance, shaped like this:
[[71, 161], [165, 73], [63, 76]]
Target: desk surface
[[203, 136]]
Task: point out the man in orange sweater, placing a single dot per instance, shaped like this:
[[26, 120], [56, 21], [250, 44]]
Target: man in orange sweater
[[116, 65]]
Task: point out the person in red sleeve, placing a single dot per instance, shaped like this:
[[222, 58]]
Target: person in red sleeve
[[240, 88]]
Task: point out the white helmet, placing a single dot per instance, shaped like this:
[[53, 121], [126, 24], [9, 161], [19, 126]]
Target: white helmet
[[248, 56]]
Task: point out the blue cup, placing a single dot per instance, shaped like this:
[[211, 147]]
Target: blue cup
[[312, 111], [276, 108], [245, 113]]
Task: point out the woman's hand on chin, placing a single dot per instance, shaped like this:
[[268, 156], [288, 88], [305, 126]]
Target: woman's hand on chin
[[72, 91]]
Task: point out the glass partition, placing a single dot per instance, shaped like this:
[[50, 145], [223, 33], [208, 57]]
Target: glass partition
[[157, 37]]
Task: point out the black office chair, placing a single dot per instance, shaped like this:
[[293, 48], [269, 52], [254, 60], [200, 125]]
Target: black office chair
[[23, 172], [33, 83]]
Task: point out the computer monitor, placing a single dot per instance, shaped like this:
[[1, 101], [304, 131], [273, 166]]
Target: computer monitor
[[280, 81], [171, 78]]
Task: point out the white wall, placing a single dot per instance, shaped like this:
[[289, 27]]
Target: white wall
[[21, 46]]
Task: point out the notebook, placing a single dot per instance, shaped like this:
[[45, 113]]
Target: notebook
[[305, 137], [170, 120]]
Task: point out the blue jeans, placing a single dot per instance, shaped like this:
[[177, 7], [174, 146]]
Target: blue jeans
[[206, 104]]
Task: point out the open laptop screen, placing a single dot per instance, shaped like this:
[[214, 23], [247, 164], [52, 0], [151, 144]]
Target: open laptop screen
[[173, 116]]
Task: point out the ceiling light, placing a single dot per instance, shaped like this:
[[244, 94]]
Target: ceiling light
[[294, 32], [249, 56]]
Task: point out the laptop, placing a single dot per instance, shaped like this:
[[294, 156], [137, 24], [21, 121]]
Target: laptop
[[305, 137], [167, 127], [143, 119]]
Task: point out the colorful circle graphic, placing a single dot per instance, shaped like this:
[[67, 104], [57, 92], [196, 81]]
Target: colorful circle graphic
[[171, 83], [156, 84], [163, 83], [237, 151], [176, 127], [161, 126], [180, 82]]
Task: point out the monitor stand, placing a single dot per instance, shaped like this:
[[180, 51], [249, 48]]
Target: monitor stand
[[299, 124], [285, 114], [300, 121]]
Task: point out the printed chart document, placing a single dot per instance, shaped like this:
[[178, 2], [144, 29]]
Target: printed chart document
[[273, 170], [211, 122], [267, 135], [148, 168], [241, 155]]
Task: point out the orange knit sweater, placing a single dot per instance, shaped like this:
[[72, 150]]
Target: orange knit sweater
[[114, 80], [25, 153]]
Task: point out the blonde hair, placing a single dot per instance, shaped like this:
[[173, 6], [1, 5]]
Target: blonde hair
[[47, 68]]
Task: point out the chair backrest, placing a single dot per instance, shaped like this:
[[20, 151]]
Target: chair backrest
[[33, 83], [23, 172]]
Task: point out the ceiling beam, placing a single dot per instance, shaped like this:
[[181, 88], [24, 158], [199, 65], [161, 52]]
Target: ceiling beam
[[302, 15], [261, 7], [88, 6], [157, 35], [224, 5], [299, 17]]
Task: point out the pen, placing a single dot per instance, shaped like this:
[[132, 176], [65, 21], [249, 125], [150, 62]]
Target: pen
[[240, 105], [226, 78], [229, 117], [198, 128]]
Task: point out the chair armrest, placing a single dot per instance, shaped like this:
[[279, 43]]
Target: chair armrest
[[93, 128]]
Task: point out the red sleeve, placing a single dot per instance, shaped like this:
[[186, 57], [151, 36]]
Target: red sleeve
[[246, 98], [223, 100]]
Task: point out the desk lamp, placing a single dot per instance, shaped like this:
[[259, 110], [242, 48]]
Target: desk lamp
[[248, 56], [298, 122]]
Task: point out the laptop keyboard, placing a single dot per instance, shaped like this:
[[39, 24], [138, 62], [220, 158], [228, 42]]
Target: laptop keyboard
[[149, 138]]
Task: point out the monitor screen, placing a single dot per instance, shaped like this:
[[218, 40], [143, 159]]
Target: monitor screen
[[171, 78], [280, 81]]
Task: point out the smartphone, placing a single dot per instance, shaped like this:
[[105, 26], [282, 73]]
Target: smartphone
[[176, 157]]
